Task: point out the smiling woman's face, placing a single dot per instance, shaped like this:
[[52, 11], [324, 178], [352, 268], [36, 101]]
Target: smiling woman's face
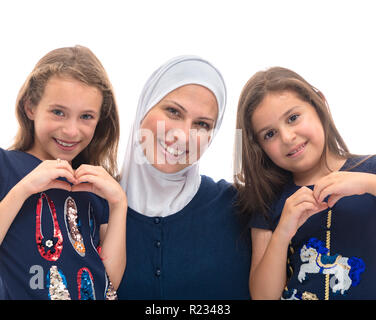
[[177, 130]]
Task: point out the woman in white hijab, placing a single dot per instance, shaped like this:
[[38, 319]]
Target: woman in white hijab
[[183, 234]]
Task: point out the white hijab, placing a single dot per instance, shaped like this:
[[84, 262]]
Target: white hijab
[[150, 191]]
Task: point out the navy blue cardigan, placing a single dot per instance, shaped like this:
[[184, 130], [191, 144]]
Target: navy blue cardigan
[[201, 252]]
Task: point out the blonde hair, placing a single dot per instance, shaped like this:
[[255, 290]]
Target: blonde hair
[[80, 64]]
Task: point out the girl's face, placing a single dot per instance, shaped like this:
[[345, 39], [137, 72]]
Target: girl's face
[[290, 132], [65, 119], [177, 130]]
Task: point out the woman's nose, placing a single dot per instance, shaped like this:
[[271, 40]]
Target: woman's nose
[[179, 133]]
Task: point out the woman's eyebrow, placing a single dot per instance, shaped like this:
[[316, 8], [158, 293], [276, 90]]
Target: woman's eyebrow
[[178, 105], [185, 110]]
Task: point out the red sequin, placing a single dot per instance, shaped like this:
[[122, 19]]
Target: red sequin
[[49, 249]]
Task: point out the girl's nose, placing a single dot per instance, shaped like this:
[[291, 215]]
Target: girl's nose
[[70, 129], [287, 135]]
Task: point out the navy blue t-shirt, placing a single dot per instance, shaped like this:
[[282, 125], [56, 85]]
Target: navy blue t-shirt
[[332, 256], [49, 251], [200, 252]]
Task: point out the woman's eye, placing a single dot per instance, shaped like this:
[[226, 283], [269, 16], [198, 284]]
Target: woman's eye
[[173, 112], [292, 118], [203, 125]]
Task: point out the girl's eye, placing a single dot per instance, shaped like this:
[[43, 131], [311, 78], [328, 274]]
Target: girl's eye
[[292, 118], [87, 116], [269, 134], [58, 112]]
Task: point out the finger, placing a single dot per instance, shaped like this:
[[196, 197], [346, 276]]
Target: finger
[[63, 164], [64, 173], [304, 192], [313, 208], [306, 207], [322, 206], [319, 187], [59, 165], [334, 189], [332, 200], [86, 178], [324, 191], [86, 170], [306, 197]]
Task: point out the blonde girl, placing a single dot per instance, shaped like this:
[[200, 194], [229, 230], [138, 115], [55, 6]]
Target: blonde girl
[[62, 211]]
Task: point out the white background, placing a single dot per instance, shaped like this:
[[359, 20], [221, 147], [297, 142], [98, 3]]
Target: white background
[[330, 43]]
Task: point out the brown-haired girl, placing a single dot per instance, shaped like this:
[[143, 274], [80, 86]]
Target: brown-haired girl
[[309, 197], [61, 203]]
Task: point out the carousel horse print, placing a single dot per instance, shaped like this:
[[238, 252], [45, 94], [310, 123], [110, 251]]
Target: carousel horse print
[[345, 271]]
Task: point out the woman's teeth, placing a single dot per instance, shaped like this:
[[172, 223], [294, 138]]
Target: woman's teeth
[[171, 150]]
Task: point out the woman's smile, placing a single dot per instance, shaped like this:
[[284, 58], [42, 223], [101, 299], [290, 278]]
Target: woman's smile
[[174, 150]]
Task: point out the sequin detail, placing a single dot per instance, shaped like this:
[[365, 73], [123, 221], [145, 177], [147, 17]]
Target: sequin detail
[[49, 249], [85, 285], [57, 285], [92, 223], [110, 290], [72, 223]]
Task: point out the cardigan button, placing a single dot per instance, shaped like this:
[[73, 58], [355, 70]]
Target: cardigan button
[[157, 220], [157, 244], [158, 272]]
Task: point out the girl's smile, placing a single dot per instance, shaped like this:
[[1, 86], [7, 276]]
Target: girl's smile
[[297, 151], [65, 145]]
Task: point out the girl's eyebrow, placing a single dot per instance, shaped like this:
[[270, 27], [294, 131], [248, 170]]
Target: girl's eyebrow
[[282, 116], [185, 110], [65, 108], [57, 106]]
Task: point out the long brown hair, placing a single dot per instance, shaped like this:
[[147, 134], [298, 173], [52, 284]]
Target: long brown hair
[[80, 64], [258, 180]]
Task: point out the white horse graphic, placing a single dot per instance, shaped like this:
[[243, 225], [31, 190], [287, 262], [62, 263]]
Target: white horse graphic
[[345, 271]]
